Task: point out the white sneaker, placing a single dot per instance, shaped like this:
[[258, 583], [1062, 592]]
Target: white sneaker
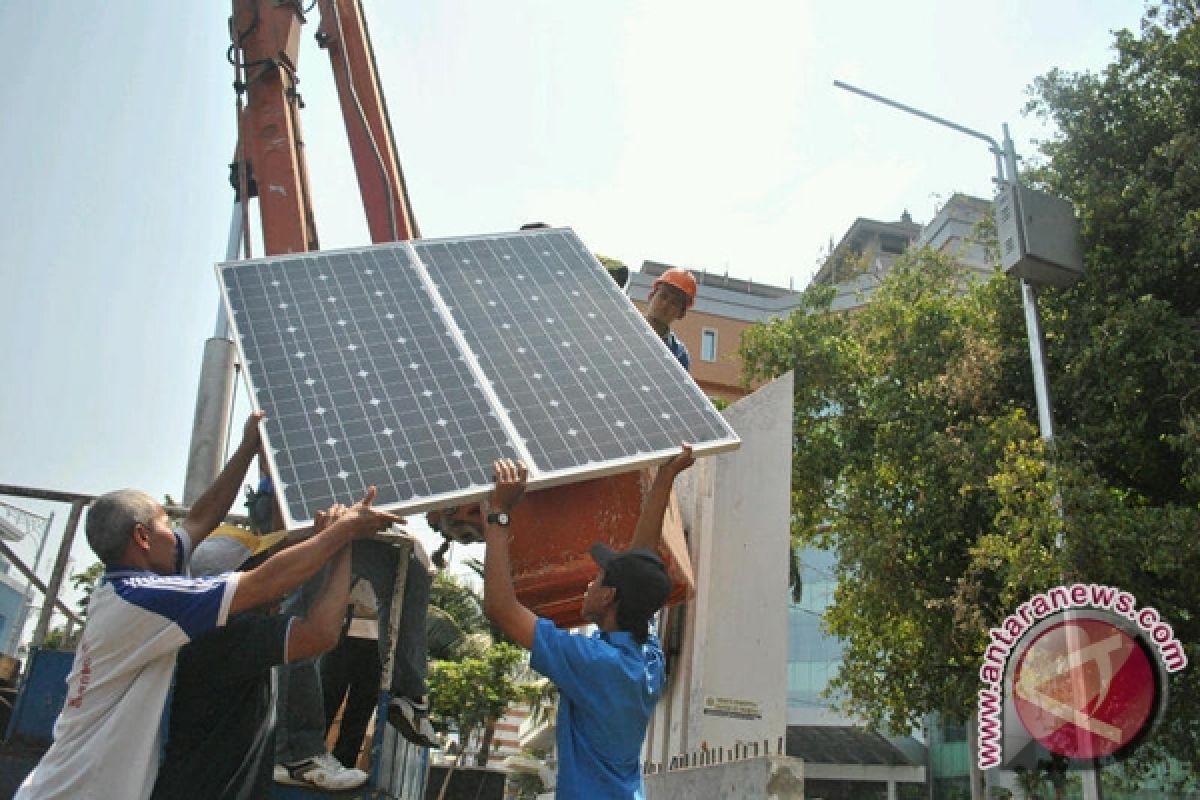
[[323, 771]]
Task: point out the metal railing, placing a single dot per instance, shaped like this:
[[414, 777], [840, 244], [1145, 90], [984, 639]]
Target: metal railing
[[53, 587], [711, 756]]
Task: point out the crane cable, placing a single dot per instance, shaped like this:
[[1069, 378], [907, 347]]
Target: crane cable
[[239, 86], [362, 116]]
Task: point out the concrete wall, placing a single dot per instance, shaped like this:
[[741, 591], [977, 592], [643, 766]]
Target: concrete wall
[[770, 778], [728, 682]]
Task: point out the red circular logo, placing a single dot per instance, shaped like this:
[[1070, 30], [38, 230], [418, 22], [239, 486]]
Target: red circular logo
[[1084, 688]]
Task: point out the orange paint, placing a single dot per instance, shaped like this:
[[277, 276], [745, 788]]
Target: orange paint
[[554, 530]]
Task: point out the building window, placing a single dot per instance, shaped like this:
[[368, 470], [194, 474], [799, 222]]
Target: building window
[[708, 345], [895, 245]]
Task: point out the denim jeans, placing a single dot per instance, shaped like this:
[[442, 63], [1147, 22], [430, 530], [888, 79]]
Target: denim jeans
[[300, 726]]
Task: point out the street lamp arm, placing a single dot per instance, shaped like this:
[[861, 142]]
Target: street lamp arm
[[993, 145], [922, 114]]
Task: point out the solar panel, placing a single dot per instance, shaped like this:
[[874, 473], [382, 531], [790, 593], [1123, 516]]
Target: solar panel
[[413, 366]]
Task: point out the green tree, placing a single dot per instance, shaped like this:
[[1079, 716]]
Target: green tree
[[916, 457], [474, 692], [462, 641], [527, 785], [1030, 782], [903, 419], [85, 583], [1125, 351], [1125, 338], [57, 639], [455, 625]]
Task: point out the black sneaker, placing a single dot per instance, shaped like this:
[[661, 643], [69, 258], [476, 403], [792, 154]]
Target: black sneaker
[[411, 718]]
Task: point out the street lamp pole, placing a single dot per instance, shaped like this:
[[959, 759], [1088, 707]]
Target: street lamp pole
[[1006, 171]]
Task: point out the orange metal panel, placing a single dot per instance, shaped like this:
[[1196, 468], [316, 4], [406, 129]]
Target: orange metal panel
[[555, 528], [270, 125]]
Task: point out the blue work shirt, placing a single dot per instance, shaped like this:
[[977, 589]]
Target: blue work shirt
[[608, 686], [679, 350]]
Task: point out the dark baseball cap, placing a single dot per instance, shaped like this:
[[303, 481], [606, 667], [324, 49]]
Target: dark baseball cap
[[638, 575]]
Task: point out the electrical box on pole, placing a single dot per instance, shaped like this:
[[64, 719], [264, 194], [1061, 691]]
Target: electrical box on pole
[[1039, 236]]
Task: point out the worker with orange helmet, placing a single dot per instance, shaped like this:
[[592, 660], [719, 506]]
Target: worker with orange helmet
[[671, 295]]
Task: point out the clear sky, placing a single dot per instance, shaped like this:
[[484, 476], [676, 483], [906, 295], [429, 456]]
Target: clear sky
[[695, 132]]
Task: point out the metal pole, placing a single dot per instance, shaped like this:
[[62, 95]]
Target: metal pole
[[232, 248], [1033, 325], [954, 126], [404, 549], [35, 582], [214, 393], [1089, 776], [56, 576], [18, 629]]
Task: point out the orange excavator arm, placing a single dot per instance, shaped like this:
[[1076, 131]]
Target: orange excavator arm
[[265, 48], [344, 34]]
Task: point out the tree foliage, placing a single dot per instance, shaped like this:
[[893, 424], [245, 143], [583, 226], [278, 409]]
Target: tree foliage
[[1126, 358], [1128, 154], [472, 692], [904, 419], [85, 583], [455, 626], [475, 676], [916, 454]]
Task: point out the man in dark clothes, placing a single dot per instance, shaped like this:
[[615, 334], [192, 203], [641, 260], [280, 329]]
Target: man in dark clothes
[[221, 728], [350, 675]]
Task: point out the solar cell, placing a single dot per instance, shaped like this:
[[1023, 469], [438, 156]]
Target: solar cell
[[413, 366]]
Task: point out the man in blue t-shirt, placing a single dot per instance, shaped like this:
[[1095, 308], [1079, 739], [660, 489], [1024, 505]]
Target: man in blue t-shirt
[[608, 682]]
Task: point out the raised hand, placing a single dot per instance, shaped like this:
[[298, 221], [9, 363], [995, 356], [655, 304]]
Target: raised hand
[[324, 519], [365, 521], [679, 462], [510, 484], [250, 435]]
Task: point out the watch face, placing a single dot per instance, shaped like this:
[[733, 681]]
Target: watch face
[[499, 517]]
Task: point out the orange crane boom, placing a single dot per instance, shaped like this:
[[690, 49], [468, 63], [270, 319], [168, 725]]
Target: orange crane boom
[[271, 156]]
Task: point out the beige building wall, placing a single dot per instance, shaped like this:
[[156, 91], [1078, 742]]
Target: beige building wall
[[721, 377]]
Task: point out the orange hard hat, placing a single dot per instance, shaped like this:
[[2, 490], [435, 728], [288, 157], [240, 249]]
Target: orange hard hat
[[681, 279]]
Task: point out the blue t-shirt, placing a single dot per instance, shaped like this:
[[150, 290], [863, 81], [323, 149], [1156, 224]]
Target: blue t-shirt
[[679, 350], [608, 686]]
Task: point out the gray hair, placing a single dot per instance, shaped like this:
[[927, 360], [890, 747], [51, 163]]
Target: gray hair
[[111, 519]]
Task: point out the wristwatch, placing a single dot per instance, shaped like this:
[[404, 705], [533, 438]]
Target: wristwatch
[[498, 518]]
